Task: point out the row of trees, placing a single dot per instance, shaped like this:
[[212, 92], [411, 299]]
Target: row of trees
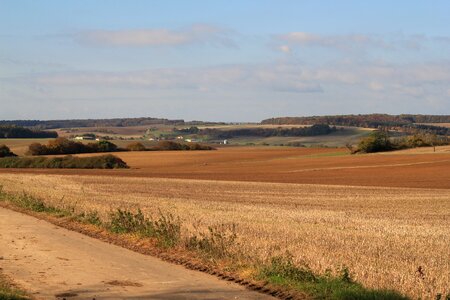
[[168, 145], [317, 129], [118, 122], [368, 120], [15, 132], [379, 141], [65, 146]]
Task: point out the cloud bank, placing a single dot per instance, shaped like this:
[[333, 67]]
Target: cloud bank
[[413, 79], [351, 41], [194, 34]]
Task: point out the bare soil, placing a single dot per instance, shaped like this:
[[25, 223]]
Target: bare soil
[[419, 168]]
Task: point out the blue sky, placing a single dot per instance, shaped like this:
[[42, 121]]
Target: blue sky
[[222, 60]]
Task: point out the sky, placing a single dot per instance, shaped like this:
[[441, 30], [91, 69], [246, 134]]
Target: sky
[[230, 60]]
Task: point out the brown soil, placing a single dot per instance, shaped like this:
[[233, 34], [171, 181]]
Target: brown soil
[[285, 165]]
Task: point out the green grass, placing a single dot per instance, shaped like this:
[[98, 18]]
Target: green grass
[[8, 292], [282, 271]]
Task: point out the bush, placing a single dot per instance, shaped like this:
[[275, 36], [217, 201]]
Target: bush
[[65, 146], [170, 145], [66, 162], [377, 141], [103, 146], [5, 151], [136, 146]]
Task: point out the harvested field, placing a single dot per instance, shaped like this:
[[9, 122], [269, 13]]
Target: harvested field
[[20, 146], [383, 235], [410, 168]]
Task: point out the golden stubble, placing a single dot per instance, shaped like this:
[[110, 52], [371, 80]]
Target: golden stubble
[[383, 235]]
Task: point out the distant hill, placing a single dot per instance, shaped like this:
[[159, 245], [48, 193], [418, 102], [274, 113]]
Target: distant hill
[[16, 132], [369, 120], [117, 122]]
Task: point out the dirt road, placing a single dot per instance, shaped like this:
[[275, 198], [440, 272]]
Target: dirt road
[[52, 262]]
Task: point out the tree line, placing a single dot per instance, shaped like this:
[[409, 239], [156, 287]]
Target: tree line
[[66, 146], [116, 122], [214, 133], [366, 120], [380, 141], [16, 132]]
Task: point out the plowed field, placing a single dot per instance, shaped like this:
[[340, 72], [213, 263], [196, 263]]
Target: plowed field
[[410, 168]]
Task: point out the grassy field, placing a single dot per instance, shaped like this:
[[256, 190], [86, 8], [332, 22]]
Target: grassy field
[[336, 139], [20, 146]]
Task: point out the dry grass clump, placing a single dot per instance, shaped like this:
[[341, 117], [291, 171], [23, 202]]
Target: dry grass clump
[[393, 238]]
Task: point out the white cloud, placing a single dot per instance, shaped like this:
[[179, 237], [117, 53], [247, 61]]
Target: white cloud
[[352, 41], [197, 33], [401, 79], [329, 41], [285, 48]]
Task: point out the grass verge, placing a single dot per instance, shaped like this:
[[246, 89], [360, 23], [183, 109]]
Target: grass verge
[[65, 162], [9, 292], [215, 251]]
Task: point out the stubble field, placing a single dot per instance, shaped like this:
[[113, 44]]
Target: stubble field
[[385, 217]]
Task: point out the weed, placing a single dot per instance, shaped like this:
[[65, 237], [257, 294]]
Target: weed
[[27, 201], [283, 271], [125, 221], [283, 268], [166, 229], [90, 217], [217, 242]]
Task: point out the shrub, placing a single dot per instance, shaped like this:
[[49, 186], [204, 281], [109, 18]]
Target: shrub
[[136, 146], [5, 151], [65, 146], [103, 146], [377, 141], [66, 162], [170, 145]]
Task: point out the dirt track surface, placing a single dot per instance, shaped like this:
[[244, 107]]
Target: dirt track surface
[[51, 262], [419, 168]]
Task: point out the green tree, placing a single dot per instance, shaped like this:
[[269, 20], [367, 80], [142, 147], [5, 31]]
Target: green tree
[[5, 151], [377, 141]]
